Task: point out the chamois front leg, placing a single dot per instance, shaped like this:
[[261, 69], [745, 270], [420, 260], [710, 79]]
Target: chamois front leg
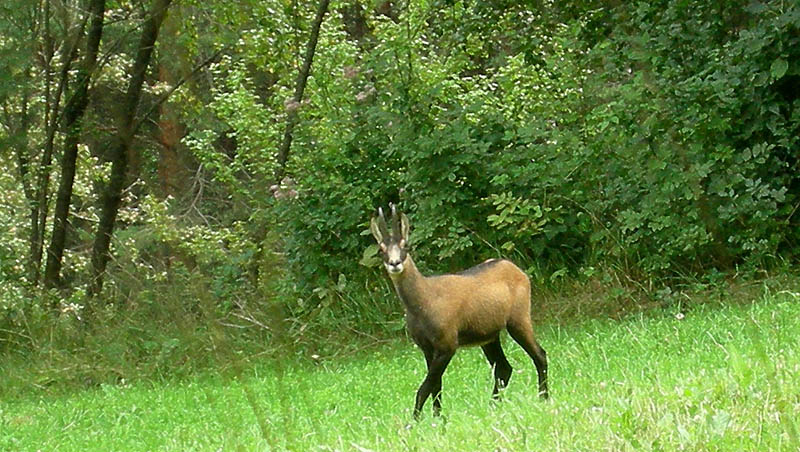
[[437, 363], [437, 391]]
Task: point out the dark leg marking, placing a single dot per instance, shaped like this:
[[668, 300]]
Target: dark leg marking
[[502, 369], [437, 364]]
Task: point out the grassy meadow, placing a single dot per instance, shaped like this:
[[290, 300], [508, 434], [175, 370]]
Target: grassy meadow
[[712, 378]]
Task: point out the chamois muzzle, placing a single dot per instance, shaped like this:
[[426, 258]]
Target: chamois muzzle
[[394, 258]]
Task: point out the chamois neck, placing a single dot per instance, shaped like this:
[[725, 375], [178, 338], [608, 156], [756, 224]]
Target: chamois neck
[[409, 285]]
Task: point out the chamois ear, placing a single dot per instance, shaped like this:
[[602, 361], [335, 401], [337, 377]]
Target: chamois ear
[[376, 230], [404, 229]]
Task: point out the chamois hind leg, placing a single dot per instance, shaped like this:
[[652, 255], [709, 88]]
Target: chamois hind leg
[[502, 369], [522, 333], [437, 363]]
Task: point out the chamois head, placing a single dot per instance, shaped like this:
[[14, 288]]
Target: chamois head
[[392, 243]]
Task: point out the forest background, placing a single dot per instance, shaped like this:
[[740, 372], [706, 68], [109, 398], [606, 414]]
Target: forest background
[[189, 183]]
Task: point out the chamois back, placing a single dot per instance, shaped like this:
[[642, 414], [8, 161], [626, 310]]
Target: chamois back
[[480, 302]]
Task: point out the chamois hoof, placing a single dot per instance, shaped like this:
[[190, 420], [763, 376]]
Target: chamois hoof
[[544, 395]]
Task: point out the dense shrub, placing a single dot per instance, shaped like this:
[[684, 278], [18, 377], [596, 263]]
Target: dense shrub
[[660, 137], [656, 138]]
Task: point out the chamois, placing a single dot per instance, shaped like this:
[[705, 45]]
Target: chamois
[[470, 308]]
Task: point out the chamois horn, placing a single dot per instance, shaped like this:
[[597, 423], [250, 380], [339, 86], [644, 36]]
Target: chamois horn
[[382, 227]]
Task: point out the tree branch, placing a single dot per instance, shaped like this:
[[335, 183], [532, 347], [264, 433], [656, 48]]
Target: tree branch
[[302, 78], [172, 90]]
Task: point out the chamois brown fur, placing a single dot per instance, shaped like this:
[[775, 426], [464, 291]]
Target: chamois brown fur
[[470, 308]]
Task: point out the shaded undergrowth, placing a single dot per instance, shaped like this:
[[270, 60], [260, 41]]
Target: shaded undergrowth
[[173, 332]]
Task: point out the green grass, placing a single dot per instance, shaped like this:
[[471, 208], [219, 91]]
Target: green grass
[[721, 378]]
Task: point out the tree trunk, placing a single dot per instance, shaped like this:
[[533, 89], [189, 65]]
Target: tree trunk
[[291, 120], [170, 133], [51, 122], [43, 173], [73, 113], [302, 78], [112, 196]]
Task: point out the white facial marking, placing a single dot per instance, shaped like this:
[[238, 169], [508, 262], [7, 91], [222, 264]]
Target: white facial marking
[[393, 261]]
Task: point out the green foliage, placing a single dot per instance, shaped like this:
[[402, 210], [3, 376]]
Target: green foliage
[[655, 138], [12, 245], [660, 137], [637, 141], [706, 174]]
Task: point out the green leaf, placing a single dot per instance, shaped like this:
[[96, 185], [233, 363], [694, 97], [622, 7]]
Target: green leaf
[[370, 256], [778, 68]]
